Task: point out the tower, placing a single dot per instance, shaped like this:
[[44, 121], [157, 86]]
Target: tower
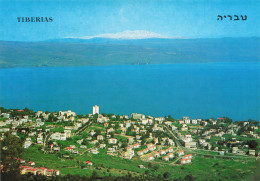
[[95, 109]]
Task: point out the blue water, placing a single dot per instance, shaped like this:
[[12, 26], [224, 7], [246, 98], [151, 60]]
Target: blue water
[[195, 90]]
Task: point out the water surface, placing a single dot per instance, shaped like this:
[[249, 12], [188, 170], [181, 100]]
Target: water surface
[[195, 90]]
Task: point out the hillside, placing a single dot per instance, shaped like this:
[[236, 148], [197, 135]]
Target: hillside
[[100, 51]]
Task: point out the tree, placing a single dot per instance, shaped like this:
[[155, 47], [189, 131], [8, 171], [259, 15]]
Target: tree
[[166, 175], [147, 172], [11, 149], [156, 167], [253, 122], [94, 174], [189, 178], [252, 144]]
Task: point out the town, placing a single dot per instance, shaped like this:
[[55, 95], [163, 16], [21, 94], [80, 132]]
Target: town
[[147, 142]]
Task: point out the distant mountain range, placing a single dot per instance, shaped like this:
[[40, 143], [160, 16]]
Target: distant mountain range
[[137, 34], [109, 51]]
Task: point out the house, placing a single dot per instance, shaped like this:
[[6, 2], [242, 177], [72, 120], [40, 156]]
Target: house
[[156, 154], [42, 170], [94, 151], [183, 161], [145, 150], [168, 123], [149, 145], [136, 145], [150, 158], [100, 137], [194, 121], [31, 170], [184, 127], [31, 163], [188, 160], [68, 149], [110, 130], [181, 122], [137, 116], [102, 145], [130, 140], [89, 163], [152, 148], [140, 153], [187, 121], [190, 145], [68, 133], [50, 172], [93, 142], [92, 132], [83, 146], [174, 128], [170, 155], [141, 166], [23, 170], [56, 148], [166, 158], [188, 156], [27, 144], [252, 152], [80, 141], [58, 136], [159, 119], [129, 154], [234, 149], [162, 152], [221, 152], [180, 153], [112, 141]]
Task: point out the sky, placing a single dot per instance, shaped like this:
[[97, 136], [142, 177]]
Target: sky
[[176, 19]]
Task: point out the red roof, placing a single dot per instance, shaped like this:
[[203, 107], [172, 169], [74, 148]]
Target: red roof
[[221, 118], [25, 167], [20, 110], [32, 169], [69, 148], [42, 168], [88, 161]]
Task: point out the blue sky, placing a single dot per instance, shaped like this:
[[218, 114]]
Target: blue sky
[[187, 19]]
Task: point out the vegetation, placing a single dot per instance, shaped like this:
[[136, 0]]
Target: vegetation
[[11, 150]]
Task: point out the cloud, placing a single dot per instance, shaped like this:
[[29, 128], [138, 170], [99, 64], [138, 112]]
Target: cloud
[[137, 34]]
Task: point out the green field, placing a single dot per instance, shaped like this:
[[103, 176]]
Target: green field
[[201, 168]]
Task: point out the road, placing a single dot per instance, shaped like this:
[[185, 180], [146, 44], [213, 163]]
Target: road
[[176, 139], [83, 128], [45, 141]]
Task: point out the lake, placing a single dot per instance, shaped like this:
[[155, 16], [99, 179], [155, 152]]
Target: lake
[[202, 90]]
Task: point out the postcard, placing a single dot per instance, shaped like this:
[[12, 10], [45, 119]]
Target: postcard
[[129, 90]]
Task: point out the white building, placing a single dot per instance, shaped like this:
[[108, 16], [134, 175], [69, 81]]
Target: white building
[[95, 109]]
